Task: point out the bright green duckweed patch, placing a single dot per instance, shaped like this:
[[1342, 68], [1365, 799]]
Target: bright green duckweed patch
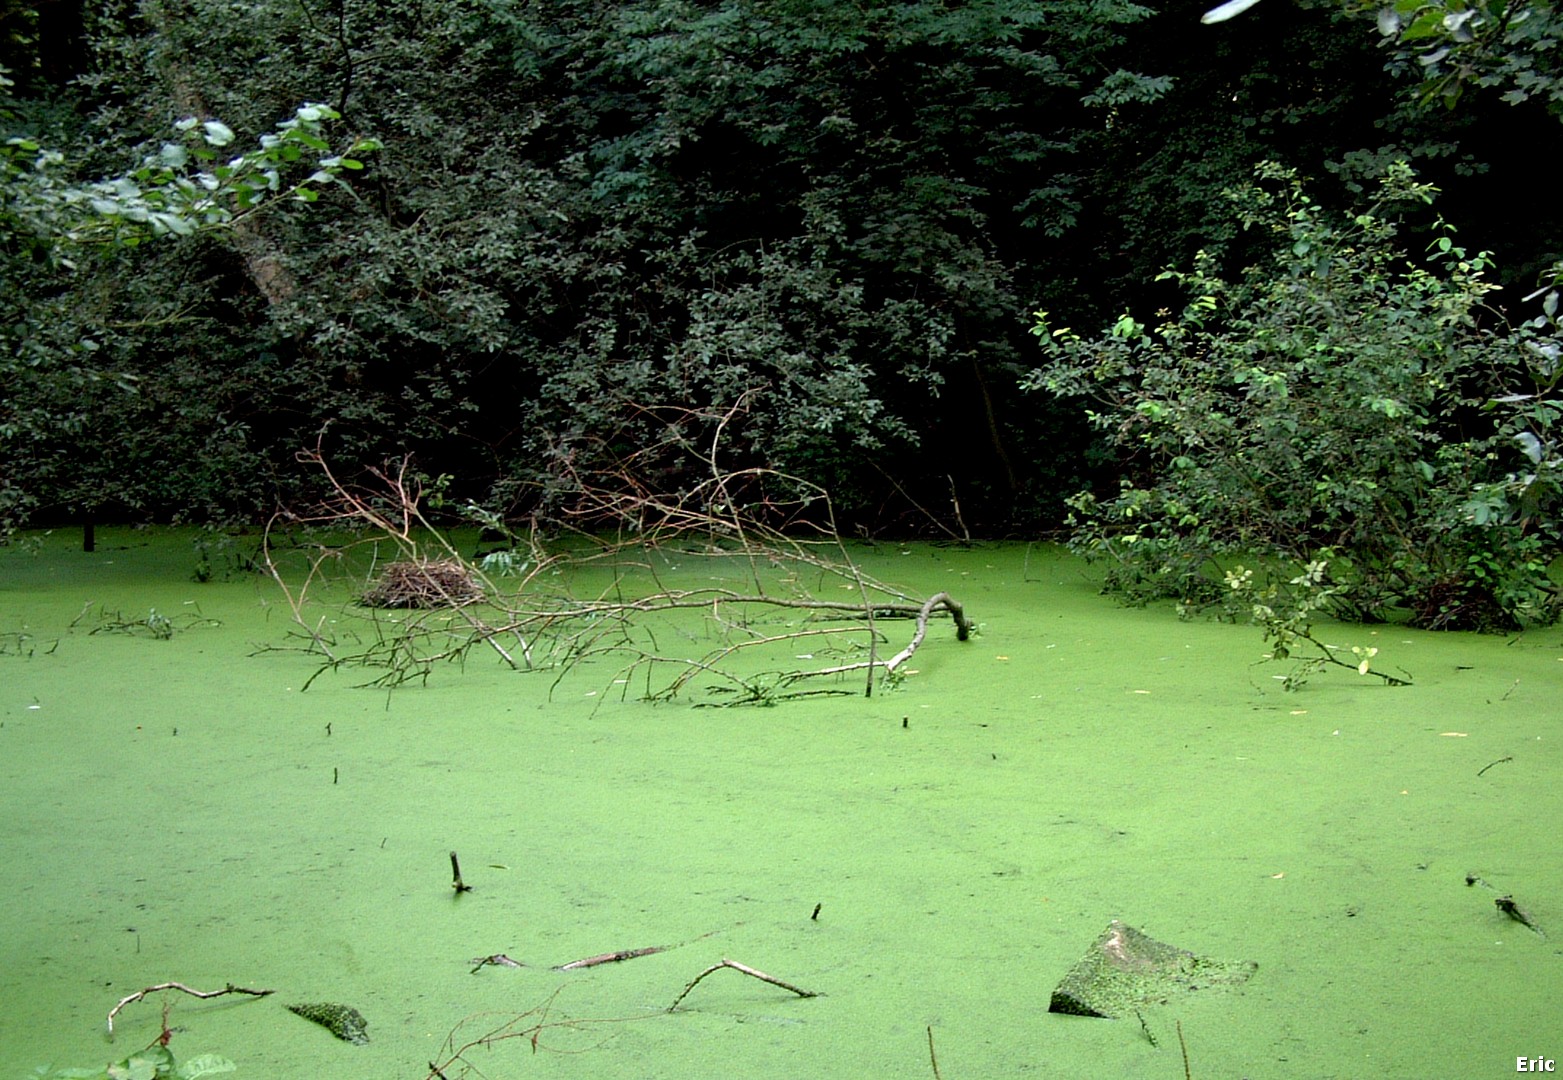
[[177, 810]]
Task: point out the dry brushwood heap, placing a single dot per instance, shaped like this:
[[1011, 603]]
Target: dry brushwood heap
[[765, 534], [427, 583]]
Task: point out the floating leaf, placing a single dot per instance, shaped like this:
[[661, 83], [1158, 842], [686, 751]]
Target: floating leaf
[[204, 1065]]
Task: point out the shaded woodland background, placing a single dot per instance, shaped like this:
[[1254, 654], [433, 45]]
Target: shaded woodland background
[[839, 217]]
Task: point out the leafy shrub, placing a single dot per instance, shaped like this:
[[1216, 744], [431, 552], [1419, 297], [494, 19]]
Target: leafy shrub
[[1338, 397]]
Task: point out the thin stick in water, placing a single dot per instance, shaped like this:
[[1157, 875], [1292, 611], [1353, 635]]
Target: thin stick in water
[[139, 994], [747, 970], [611, 957]]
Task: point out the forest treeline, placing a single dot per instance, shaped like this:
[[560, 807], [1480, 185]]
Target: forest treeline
[[574, 232]]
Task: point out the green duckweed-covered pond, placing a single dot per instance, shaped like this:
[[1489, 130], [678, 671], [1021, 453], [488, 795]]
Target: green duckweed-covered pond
[[177, 810]]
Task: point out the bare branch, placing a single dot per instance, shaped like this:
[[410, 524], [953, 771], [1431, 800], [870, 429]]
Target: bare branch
[[773, 531], [752, 972], [139, 994]]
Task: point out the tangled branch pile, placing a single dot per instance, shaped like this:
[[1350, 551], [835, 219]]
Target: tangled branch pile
[[434, 583], [742, 570]]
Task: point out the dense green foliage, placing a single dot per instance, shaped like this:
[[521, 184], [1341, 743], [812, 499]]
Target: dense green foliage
[[595, 228], [62, 330], [592, 211], [1338, 404], [1509, 44]]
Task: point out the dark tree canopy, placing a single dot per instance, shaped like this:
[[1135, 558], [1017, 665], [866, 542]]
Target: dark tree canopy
[[838, 217]]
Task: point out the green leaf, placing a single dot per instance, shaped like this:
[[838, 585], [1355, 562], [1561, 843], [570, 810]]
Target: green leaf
[[145, 1065], [204, 1065], [314, 142], [1428, 24], [217, 133], [1531, 446]]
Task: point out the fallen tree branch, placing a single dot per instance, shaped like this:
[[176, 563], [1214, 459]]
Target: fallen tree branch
[[630, 954], [611, 957], [747, 970], [770, 540], [139, 994], [938, 600]]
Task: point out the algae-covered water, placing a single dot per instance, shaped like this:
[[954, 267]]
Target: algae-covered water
[[177, 810]]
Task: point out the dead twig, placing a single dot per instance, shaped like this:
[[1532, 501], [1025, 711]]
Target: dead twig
[[747, 970], [530, 1026], [629, 954], [611, 957], [497, 960], [1187, 1075], [955, 504], [139, 994], [951, 533], [933, 1059]]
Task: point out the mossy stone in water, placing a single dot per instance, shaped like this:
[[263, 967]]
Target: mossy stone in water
[[343, 1021], [1124, 969]]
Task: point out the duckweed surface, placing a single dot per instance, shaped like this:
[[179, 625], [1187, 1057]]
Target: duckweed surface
[[176, 809]]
